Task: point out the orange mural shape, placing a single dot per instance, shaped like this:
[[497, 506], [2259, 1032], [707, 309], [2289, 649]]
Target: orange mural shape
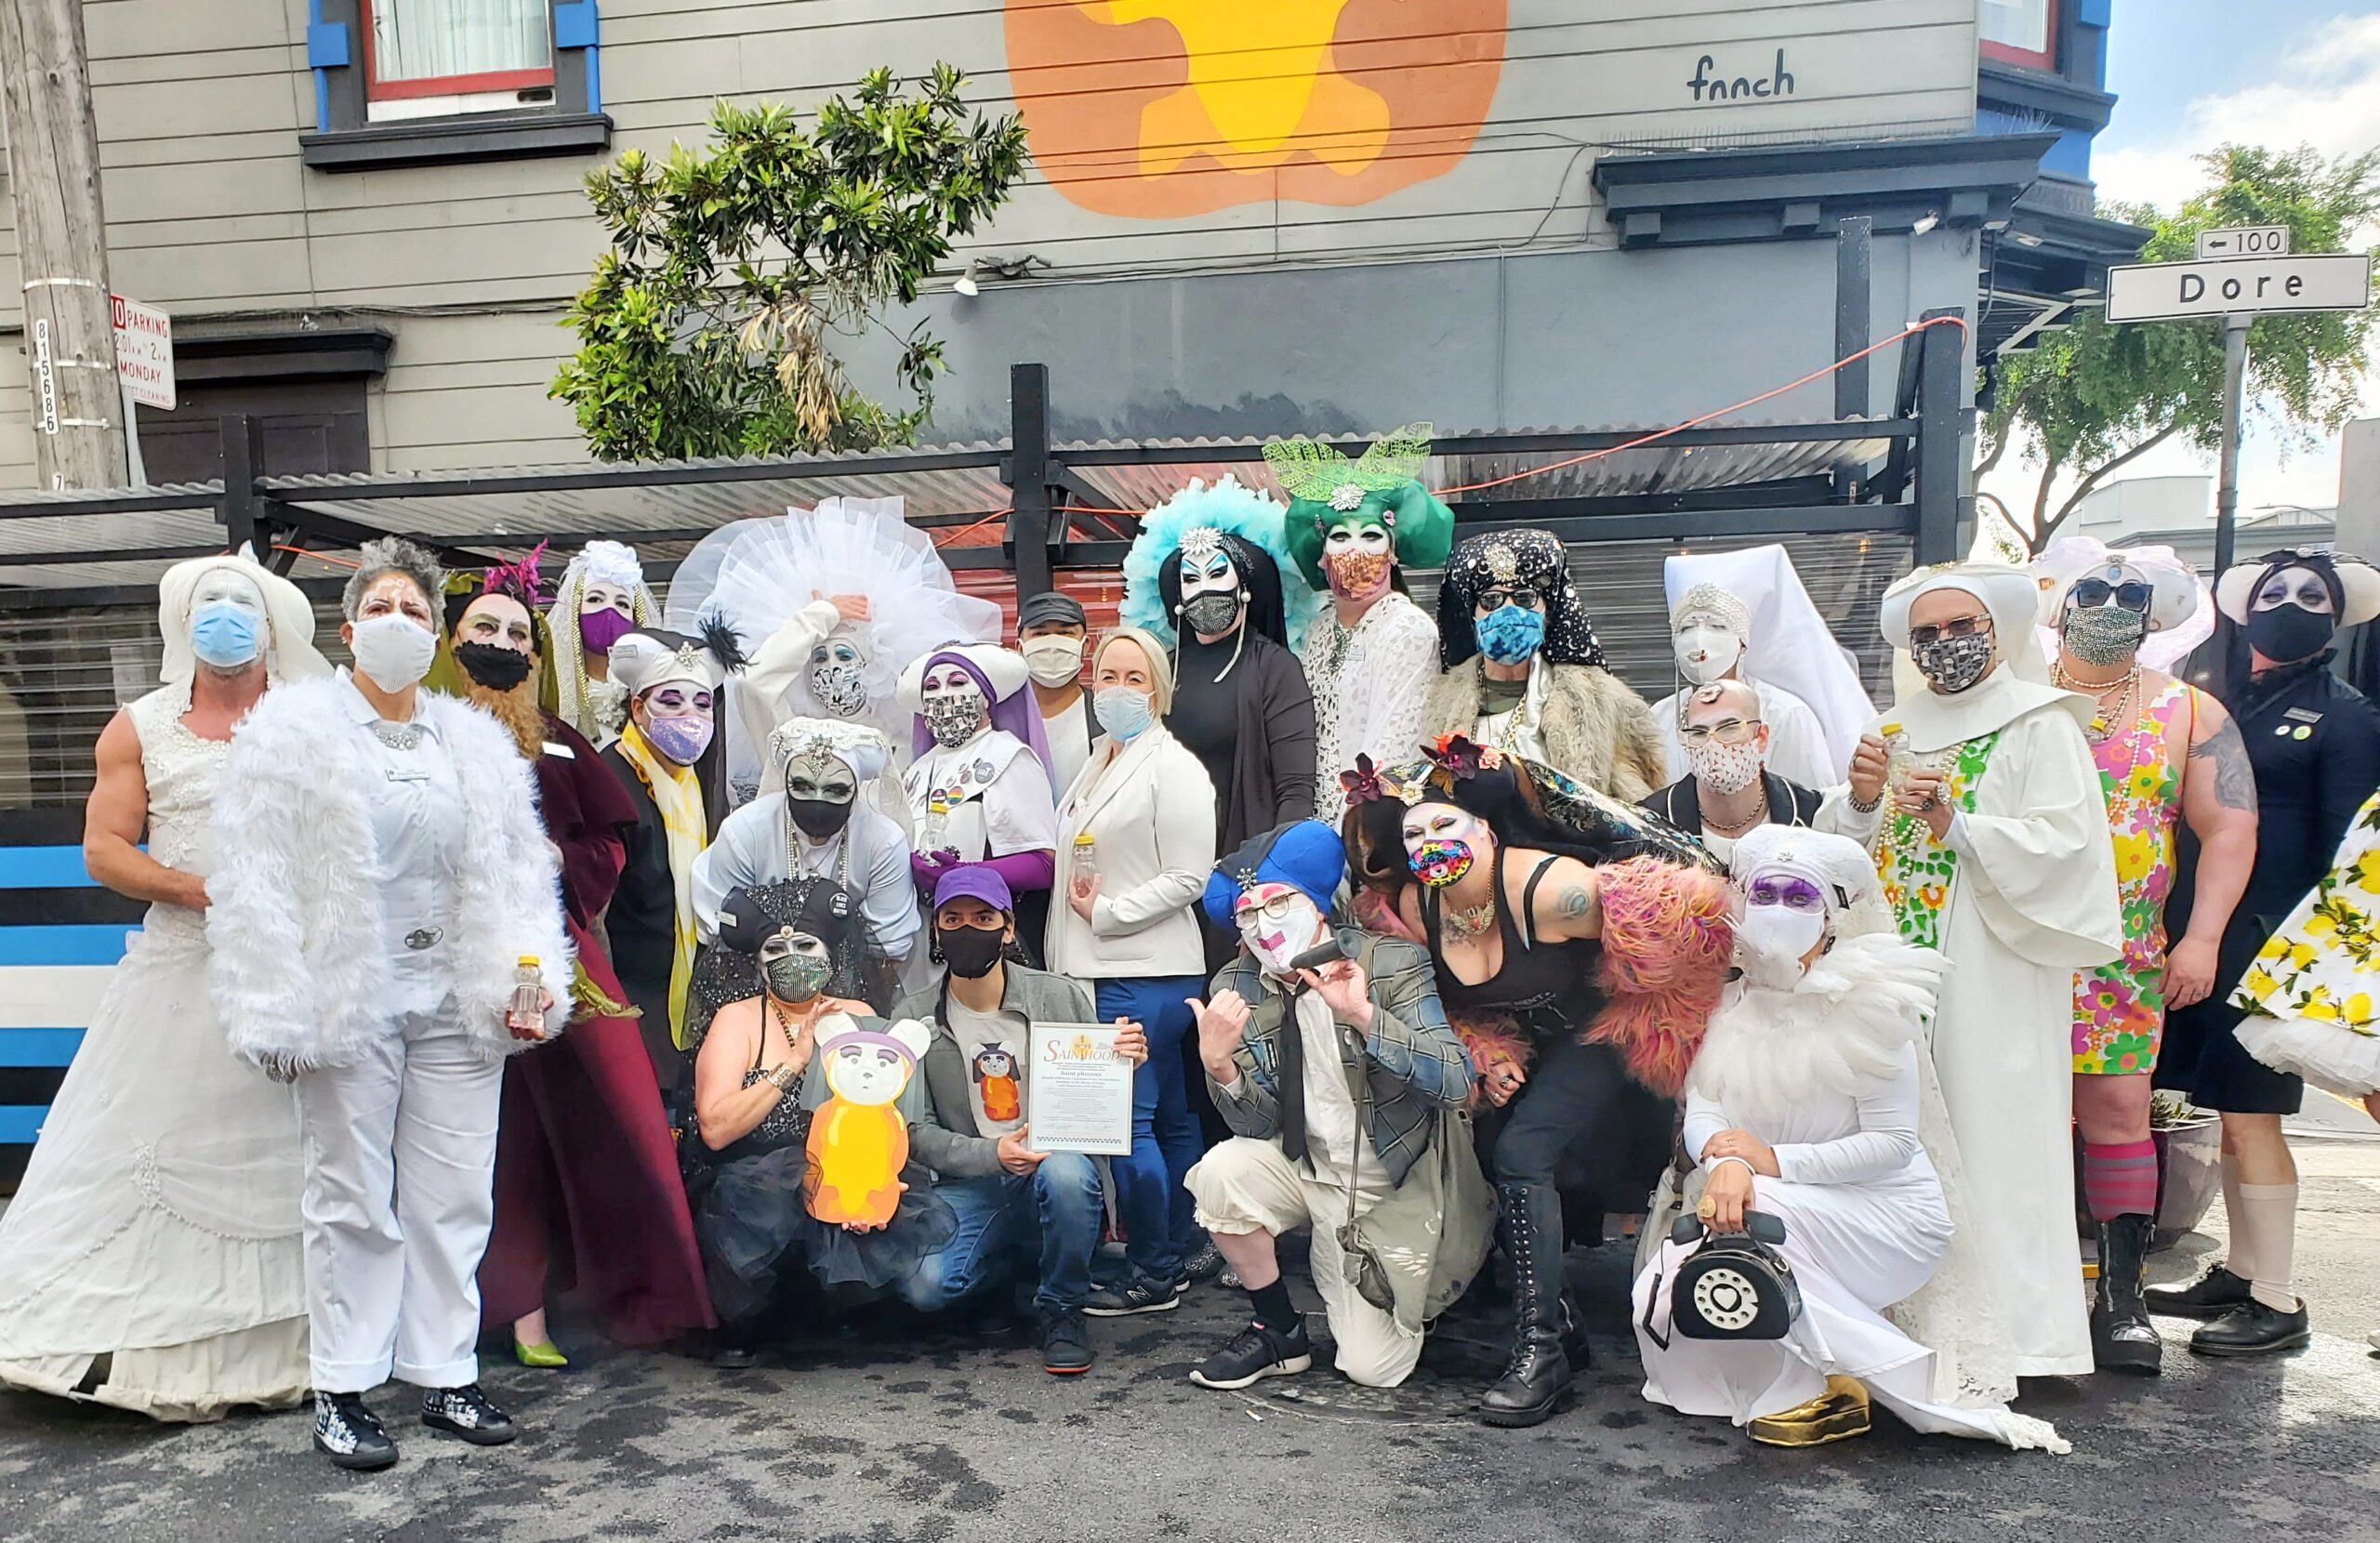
[[1159, 109]]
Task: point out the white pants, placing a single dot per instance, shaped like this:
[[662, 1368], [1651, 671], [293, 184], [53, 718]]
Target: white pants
[[400, 1193], [1246, 1185]]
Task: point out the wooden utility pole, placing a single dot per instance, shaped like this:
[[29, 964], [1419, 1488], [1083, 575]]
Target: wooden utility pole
[[61, 244]]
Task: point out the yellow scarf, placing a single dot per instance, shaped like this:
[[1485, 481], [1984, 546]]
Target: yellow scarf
[[679, 795]]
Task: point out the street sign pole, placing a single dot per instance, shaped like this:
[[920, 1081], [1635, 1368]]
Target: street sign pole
[[2227, 488]]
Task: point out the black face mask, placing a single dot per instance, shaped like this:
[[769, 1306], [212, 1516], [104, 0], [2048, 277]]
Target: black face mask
[[2288, 633], [969, 951], [817, 818], [492, 665]]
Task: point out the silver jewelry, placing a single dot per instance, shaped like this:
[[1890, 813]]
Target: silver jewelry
[[397, 736]]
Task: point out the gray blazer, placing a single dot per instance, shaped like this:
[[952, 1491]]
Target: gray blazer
[[943, 1136]]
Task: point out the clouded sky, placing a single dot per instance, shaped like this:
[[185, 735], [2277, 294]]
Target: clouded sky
[[2189, 74]]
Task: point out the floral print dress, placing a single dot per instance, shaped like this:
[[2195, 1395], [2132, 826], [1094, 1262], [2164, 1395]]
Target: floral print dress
[[2119, 1007], [1915, 868]]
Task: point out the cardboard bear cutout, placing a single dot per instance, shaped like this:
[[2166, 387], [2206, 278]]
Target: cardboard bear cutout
[[859, 1141]]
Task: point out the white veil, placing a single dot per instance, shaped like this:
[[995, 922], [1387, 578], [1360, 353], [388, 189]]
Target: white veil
[[760, 575], [1791, 647]]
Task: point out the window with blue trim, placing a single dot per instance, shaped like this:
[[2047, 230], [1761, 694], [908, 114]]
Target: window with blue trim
[[417, 82]]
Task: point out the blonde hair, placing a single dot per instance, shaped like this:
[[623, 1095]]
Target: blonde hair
[[1160, 664]]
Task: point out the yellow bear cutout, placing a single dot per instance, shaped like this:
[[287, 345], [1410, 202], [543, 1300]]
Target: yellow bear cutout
[[859, 1141], [1260, 88]]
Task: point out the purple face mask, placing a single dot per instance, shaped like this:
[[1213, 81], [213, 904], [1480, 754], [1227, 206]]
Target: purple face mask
[[600, 629], [682, 739]]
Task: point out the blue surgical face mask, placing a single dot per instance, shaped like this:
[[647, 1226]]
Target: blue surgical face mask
[[1122, 711], [224, 636], [1510, 634]]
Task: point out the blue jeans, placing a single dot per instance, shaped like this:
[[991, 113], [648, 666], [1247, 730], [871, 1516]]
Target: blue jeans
[[1159, 1216], [997, 1218]]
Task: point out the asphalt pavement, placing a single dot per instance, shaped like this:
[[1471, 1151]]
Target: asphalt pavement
[[896, 1435]]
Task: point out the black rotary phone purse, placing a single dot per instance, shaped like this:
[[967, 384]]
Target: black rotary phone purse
[[1734, 1286]]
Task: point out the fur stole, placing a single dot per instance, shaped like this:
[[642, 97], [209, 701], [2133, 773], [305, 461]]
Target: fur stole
[[1837, 1033], [1596, 730], [300, 962]]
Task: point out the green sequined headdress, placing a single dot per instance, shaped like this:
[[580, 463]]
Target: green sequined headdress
[[1382, 487]]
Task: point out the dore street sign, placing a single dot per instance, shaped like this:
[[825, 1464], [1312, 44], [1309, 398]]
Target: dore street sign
[[2239, 286]]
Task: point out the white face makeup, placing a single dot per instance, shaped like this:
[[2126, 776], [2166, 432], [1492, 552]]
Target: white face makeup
[[786, 941], [390, 594], [498, 620], [1426, 823], [2294, 585], [222, 587], [599, 596], [1279, 923], [1705, 650], [1214, 575], [1344, 538], [820, 779], [676, 699], [950, 681]]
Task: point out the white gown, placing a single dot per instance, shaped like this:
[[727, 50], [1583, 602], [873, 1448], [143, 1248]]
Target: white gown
[[1797, 748], [2031, 900], [1371, 685], [158, 1221], [1835, 1089]]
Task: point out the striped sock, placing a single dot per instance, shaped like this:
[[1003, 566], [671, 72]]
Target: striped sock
[[2120, 1179]]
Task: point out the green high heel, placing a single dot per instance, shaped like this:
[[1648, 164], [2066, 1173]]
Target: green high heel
[[546, 1354]]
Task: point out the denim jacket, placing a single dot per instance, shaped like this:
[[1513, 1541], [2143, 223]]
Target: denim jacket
[[1413, 1058]]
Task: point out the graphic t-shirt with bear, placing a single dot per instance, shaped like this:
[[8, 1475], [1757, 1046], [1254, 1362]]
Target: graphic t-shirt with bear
[[992, 1045]]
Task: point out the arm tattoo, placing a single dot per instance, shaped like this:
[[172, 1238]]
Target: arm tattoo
[[2227, 753], [1575, 902]]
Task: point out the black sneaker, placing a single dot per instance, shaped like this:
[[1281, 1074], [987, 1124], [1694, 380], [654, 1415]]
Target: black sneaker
[[349, 1434], [466, 1412], [1122, 1301], [2210, 1295], [1254, 1353], [1205, 1263], [2252, 1328], [1065, 1342]]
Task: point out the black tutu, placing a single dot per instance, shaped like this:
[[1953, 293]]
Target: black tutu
[[754, 1228]]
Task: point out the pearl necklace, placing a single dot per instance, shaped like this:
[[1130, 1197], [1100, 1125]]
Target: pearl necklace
[[2110, 715]]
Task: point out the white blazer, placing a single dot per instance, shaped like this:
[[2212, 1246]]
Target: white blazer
[[1149, 809]]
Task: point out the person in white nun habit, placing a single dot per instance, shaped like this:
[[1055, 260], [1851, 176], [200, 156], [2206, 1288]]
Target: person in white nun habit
[[382, 886], [151, 1259], [1990, 833], [1784, 648], [825, 812], [601, 599], [1711, 637], [1810, 1102], [980, 788]]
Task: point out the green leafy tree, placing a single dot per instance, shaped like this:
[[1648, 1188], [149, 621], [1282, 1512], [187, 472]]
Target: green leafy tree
[[2096, 396], [713, 323]]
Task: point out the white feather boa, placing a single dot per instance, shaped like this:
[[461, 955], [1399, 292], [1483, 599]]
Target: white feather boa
[[1839, 1031], [295, 917]]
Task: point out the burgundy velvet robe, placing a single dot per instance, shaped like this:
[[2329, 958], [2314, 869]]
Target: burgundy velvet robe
[[587, 1194]]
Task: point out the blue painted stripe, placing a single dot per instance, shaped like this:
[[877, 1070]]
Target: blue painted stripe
[[38, 1046], [62, 945], [43, 868], [19, 1123]]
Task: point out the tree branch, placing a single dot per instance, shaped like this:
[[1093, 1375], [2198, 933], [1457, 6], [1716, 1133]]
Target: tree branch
[[2009, 434], [2035, 538], [2082, 489]]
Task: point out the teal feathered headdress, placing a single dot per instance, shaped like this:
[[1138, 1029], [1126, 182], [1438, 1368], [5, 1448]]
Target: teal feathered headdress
[[1281, 604]]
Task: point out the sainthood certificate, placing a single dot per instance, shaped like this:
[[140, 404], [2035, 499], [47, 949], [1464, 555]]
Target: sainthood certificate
[[1080, 1091]]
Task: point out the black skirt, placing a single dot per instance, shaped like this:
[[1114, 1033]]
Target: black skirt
[[755, 1228], [2201, 1058]]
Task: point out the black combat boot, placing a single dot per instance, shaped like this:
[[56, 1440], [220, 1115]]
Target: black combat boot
[[1537, 1379], [2121, 1336]]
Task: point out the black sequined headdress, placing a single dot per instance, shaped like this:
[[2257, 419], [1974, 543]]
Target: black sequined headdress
[[729, 969], [1532, 558]]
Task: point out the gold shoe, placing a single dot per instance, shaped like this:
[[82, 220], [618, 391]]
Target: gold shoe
[[1835, 1415]]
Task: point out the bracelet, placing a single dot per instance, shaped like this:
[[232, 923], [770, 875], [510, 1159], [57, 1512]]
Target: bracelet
[[1731, 1157], [781, 1076], [1869, 807]]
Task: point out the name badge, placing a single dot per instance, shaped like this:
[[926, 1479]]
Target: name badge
[[564, 751], [407, 774], [2303, 715]]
